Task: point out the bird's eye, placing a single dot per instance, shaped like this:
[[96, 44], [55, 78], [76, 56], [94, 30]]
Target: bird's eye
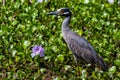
[[61, 11]]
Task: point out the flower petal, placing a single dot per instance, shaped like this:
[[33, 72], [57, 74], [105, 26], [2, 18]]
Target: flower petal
[[33, 55], [42, 50], [42, 55]]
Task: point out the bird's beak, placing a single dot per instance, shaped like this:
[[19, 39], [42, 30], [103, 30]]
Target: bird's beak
[[53, 13]]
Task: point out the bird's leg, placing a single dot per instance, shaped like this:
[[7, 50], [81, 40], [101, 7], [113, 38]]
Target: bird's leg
[[76, 61]]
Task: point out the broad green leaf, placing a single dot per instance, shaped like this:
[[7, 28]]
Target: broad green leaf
[[117, 62], [60, 58], [26, 43]]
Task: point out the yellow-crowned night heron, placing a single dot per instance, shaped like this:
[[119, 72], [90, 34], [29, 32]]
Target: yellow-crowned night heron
[[80, 47]]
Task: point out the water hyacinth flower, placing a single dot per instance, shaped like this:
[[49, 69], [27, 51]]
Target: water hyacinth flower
[[37, 50]]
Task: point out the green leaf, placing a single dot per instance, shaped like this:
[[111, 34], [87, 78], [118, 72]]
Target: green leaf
[[112, 70], [117, 62], [17, 58], [21, 54], [43, 70], [1, 57], [26, 43], [60, 58]]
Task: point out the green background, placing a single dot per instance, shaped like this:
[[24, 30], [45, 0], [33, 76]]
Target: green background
[[24, 24]]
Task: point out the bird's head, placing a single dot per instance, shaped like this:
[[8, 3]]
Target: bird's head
[[61, 12]]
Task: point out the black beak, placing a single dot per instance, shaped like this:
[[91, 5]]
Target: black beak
[[52, 13]]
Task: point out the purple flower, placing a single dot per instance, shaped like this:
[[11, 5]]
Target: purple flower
[[37, 50]]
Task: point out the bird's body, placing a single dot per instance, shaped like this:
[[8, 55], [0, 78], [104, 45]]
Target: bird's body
[[80, 47]]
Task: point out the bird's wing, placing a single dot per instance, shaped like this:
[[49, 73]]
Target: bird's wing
[[82, 49]]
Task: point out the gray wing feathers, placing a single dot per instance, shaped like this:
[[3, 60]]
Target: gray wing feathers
[[82, 49]]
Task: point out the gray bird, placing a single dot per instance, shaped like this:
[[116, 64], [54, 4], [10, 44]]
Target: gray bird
[[80, 47]]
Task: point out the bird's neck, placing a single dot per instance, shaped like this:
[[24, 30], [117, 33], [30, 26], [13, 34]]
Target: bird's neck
[[65, 24]]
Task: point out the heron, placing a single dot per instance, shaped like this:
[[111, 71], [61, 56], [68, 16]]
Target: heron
[[82, 50]]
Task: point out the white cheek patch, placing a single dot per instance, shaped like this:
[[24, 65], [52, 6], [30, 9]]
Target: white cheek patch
[[58, 10], [66, 13]]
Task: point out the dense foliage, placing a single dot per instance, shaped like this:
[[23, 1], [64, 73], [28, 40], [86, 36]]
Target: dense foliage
[[24, 24]]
